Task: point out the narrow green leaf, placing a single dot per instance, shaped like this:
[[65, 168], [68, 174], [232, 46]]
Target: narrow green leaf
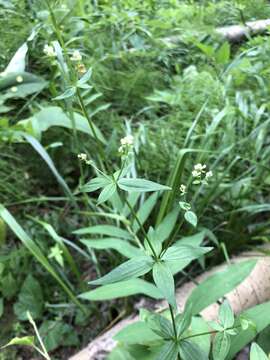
[[122, 246], [36, 252], [165, 282], [130, 269], [184, 253], [95, 184], [144, 211], [226, 316], [122, 289], [219, 284], [165, 228], [137, 333], [66, 94], [140, 185], [189, 350], [191, 218], [160, 325], [45, 156], [257, 353], [256, 316], [107, 193], [193, 240], [109, 230], [169, 351], [221, 345], [26, 340]]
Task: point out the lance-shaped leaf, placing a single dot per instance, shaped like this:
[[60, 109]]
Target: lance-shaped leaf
[[257, 353], [109, 230], [107, 193], [122, 246], [122, 289], [189, 350], [185, 252], [160, 325], [164, 280], [221, 345], [95, 184], [226, 316], [132, 268], [140, 185], [169, 351], [219, 284]]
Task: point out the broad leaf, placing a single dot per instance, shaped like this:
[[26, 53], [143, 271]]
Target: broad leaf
[[165, 282], [221, 346], [55, 116], [191, 218], [140, 185], [30, 299], [132, 268], [122, 246], [189, 350], [57, 333], [109, 230], [219, 284], [122, 289], [257, 353]]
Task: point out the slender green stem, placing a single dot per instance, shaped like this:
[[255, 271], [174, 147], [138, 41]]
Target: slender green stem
[[92, 128], [142, 228], [173, 321], [44, 351], [209, 332]]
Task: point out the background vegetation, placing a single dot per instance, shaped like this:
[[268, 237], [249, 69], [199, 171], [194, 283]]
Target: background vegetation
[[158, 69]]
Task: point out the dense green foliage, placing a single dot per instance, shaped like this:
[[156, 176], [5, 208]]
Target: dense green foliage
[[161, 73]]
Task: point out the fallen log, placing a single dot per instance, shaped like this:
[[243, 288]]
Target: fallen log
[[235, 33], [254, 290]]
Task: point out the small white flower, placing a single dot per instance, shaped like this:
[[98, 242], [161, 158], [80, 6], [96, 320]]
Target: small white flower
[[126, 144], [82, 157], [127, 140], [196, 173], [199, 167], [183, 189], [49, 50], [14, 89], [208, 174], [19, 79], [76, 56]]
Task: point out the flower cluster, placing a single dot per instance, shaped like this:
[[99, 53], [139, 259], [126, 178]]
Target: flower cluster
[[76, 56], [199, 171], [126, 144], [183, 189], [83, 157], [49, 51]]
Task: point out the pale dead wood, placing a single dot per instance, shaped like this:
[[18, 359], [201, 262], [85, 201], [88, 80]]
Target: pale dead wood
[[255, 289]]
